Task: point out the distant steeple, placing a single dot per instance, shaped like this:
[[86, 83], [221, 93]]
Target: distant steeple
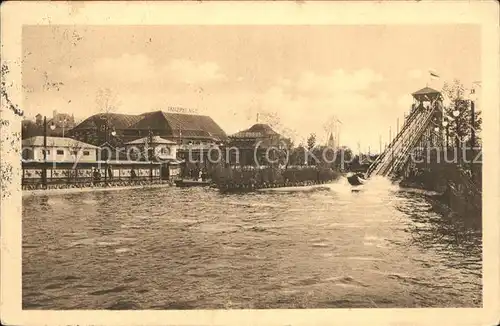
[[331, 141]]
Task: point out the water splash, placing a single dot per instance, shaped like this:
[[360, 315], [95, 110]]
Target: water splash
[[381, 184]]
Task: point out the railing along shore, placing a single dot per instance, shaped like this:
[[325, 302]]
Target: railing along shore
[[86, 183]]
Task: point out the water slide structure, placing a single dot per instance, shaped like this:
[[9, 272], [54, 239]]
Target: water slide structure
[[418, 129], [416, 132]]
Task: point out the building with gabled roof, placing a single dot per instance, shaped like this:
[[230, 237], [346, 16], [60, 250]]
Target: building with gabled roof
[[251, 136], [164, 149], [58, 149], [252, 143], [184, 127], [177, 127]]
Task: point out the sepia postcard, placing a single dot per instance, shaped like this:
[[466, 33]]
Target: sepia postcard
[[250, 163]]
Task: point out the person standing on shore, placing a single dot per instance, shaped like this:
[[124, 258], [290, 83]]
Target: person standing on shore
[[96, 175], [110, 172]]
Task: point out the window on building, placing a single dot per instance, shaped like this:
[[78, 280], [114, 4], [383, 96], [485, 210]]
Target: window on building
[[60, 152], [43, 151], [86, 153], [27, 153]]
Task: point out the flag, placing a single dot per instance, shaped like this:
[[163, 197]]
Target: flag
[[433, 74]]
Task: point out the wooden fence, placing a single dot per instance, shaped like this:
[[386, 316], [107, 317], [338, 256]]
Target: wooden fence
[[65, 175]]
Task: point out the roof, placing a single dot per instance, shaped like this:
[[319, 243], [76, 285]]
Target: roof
[[116, 120], [189, 125], [156, 140], [426, 90], [426, 94], [56, 142], [187, 147], [256, 131]]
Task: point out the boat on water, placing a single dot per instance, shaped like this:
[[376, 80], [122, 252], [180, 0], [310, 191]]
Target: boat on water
[[356, 179], [191, 183]]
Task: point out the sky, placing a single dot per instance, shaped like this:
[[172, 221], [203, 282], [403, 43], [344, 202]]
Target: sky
[[306, 76]]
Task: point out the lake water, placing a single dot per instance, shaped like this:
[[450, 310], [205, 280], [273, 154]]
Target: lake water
[[174, 248]]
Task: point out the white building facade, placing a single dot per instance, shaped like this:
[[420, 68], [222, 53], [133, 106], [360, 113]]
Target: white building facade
[[163, 149], [58, 150]]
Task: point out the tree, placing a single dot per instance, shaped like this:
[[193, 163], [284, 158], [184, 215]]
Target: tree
[[297, 156], [101, 127], [106, 101], [76, 149], [274, 121], [7, 142], [344, 157], [8, 138], [459, 114], [323, 155], [311, 141]]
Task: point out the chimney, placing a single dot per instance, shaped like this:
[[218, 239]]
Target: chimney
[[54, 114]]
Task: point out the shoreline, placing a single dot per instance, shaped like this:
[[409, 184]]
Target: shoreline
[[39, 192], [296, 188]]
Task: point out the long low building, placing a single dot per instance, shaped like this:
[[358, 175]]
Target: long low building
[[123, 128], [58, 150]]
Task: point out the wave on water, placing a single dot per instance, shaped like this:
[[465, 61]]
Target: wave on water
[[90, 201], [313, 188], [57, 201], [346, 281], [374, 186], [254, 204]]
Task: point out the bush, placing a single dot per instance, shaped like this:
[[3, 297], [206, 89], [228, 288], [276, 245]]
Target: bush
[[237, 177]]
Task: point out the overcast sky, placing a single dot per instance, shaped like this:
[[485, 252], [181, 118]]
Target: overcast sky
[[363, 75]]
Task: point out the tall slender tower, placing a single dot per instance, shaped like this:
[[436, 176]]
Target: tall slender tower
[[331, 141]]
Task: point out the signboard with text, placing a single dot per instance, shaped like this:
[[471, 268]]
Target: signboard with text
[[174, 109]]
